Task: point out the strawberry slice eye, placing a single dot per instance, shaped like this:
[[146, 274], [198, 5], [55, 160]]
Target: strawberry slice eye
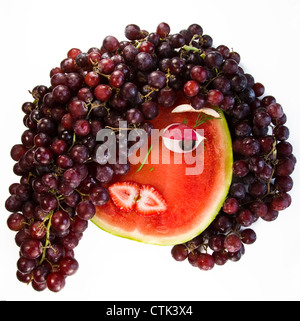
[[180, 138]]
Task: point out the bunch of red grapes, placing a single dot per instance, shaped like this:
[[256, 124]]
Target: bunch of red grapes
[[61, 180]]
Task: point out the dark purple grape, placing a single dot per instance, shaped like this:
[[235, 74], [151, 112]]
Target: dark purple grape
[[68, 266], [248, 236], [134, 116], [279, 203], [275, 110], [48, 202], [157, 79], [223, 223], [70, 241], [143, 61], [132, 32], [230, 206], [104, 173], [245, 217], [50, 180], [82, 60], [234, 55], [55, 281], [284, 148], [79, 154], [213, 60], [121, 169], [285, 167], [270, 216], [55, 252], [78, 225], [43, 156], [111, 43], [129, 91], [77, 109], [232, 243], [250, 146], [39, 286], [17, 152], [149, 109], [60, 221], [229, 67], [25, 265], [235, 256], [166, 97], [37, 230], [85, 210], [216, 243], [99, 196], [220, 257], [261, 118], [16, 221], [281, 132], [221, 83], [61, 94], [31, 248], [23, 277], [163, 29], [258, 189], [40, 273], [205, 261], [241, 111], [237, 191], [179, 252], [239, 83], [284, 183], [46, 125], [247, 95]]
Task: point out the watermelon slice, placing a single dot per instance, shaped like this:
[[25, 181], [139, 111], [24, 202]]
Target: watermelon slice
[[193, 201]]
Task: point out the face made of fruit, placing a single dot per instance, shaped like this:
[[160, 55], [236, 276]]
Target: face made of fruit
[[174, 149], [177, 180]]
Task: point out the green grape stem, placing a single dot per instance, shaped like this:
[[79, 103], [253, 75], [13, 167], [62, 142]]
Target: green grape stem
[[47, 242]]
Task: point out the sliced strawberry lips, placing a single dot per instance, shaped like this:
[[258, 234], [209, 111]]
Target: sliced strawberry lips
[[144, 199]]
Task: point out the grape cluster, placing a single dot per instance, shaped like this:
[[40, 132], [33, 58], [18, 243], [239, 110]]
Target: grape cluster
[[263, 157], [62, 180]]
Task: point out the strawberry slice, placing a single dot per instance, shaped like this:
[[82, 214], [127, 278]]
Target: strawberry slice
[[145, 200], [150, 202], [124, 195]]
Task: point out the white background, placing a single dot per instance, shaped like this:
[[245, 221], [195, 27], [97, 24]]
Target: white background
[[36, 36]]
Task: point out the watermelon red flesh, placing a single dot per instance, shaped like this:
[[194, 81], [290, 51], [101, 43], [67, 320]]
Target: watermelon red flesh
[[193, 200]]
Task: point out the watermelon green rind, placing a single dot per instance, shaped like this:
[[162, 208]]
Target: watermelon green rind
[[208, 217]]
